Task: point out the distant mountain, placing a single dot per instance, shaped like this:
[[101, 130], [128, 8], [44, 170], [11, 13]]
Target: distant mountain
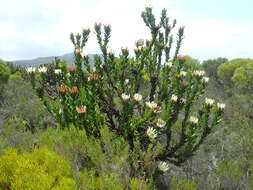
[[40, 60]]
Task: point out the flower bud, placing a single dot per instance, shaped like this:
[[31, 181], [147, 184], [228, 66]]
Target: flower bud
[[181, 58], [73, 90], [148, 6], [111, 53], [185, 83], [78, 50], [72, 68], [136, 50], [124, 51], [140, 42]]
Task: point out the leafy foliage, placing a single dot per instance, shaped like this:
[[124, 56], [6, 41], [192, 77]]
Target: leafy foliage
[[211, 66], [4, 72], [41, 169], [238, 71]]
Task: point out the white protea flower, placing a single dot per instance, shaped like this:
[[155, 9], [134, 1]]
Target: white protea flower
[[42, 69], [168, 64], [57, 71], [78, 50], [209, 101], [126, 81], [163, 166], [148, 6], [151, 105], [137, 97], [183, 73], [84, 55], [160, 123], [151, 132], [174, 97], [199, 73], [125, 96], [205, 79], [221, 106], [31, 69], [194, 120]]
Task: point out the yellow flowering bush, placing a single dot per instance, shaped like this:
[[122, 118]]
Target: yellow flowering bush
[[39, 170]]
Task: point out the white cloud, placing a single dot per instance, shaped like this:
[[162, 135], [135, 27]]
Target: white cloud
[[42, 28], [210, 38]]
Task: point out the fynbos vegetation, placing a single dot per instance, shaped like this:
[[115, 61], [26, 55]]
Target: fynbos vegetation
[[154, 114]]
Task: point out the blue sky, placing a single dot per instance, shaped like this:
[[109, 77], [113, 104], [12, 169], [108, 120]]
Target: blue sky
[[37, 28]]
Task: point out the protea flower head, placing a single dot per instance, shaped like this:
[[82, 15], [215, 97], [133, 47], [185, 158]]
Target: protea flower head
[[137, 97], [160, 123], [209, 101], [174, 97], [81, 109], [151, 104], [42, 70], [31, 69], [221, 106], [57, 71], [194, 120], [163, 166], [84, 55], [168, 64], [125, 97], [151, 133], [205, 79]]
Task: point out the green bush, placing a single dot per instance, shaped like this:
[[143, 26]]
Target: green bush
[[13, 134], [182, 184], [19, 101], [106, 155], [92, 181], [17, 76], [4, 72], [211, 66], [231, 175], [238, 71], [39, 170]]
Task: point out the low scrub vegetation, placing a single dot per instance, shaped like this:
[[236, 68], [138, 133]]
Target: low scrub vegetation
[[155, 120]]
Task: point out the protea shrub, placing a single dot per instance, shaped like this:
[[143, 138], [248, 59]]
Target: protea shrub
[[154, 114]]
